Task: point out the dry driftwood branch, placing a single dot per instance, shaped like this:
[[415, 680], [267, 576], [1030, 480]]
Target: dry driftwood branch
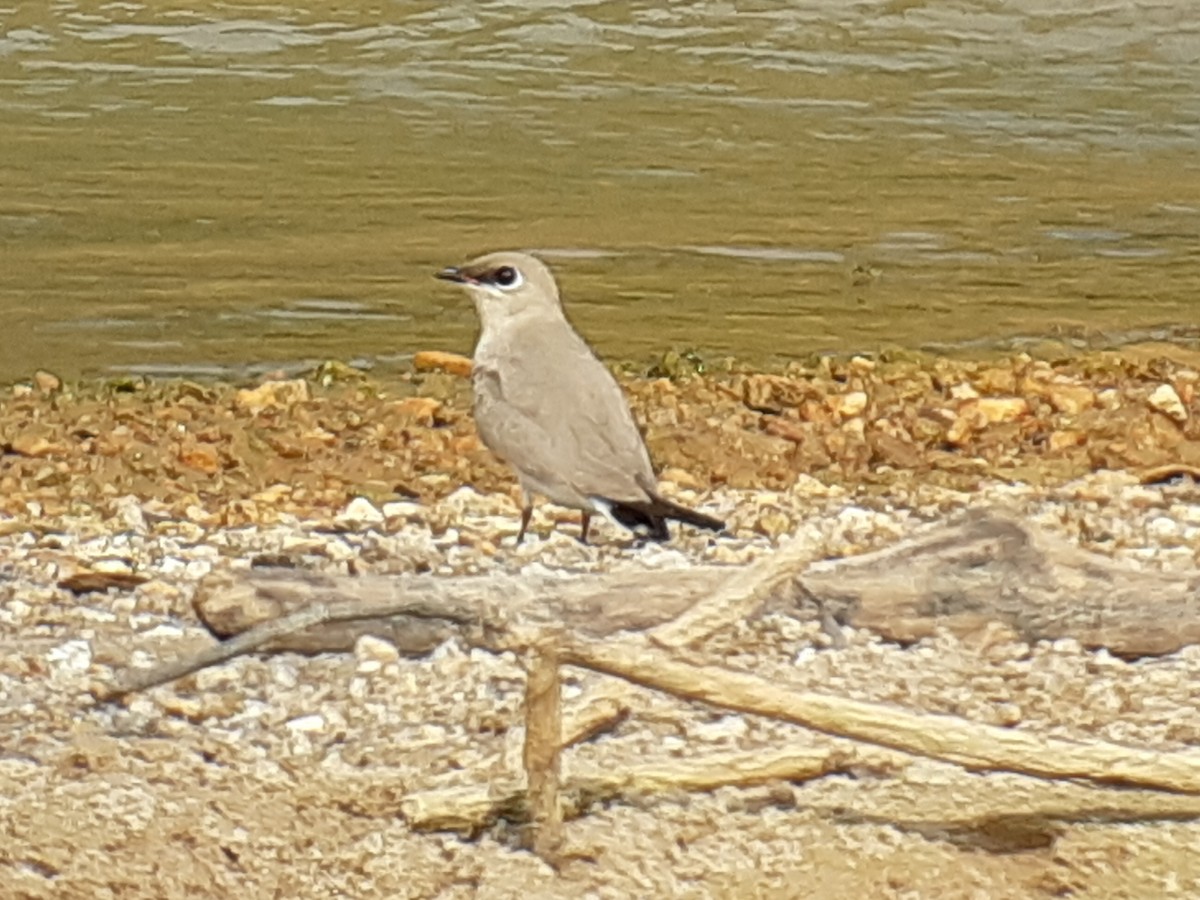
[[990, 568], [281, 609], [693, 603], [983, 567], [412, 613], [476, 616], [401, 608], [543, 741], [602, 714], [467, 809], [942, 737]]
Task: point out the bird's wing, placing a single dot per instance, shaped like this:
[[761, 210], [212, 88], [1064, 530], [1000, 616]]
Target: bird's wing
[[517, 438], [556, 412]]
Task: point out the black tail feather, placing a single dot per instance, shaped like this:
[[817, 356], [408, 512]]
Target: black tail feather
[[649, 517]]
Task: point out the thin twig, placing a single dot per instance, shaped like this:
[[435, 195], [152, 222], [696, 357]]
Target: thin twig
[[260, 635], [469, 808]]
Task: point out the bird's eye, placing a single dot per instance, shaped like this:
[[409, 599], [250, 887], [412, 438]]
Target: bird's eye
[[506, 276]]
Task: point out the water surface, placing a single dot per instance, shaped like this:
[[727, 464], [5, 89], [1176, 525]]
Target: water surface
[[215, 188]]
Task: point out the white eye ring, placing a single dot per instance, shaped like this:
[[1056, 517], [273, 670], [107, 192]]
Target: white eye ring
[[507, 278]]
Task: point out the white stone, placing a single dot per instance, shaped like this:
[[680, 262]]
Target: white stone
[[361, 511], [172, 566], [462, 499], [724, 728], [805, 656], [284, 673], [1162, 527], [369, 649], [855, 516], [112, 566], [403, 509], [163, 631], [197, 513], [849, 404], [70, 658], [197, 569], [310, 723], [129, 511], [1166, 401], [964, 391], [339, 551]]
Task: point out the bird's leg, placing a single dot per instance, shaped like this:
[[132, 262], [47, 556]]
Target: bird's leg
[[526, 515], [584, 521]]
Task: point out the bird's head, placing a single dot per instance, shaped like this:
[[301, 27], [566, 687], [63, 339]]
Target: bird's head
[[505, 286]]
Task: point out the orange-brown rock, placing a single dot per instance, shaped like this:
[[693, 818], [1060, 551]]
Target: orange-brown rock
[[1064, 440], [33, 445], [272, 393], [422, 410], [440, 361], [847, 405], [1000, 409], [976, 415], [201, 457], [47, 382], [1070, 399]]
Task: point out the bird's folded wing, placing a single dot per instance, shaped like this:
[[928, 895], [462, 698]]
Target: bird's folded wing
[[566, 428], [592, 406], [516, 437]]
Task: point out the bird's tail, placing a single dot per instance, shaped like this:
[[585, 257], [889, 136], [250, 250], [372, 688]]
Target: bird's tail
[[650, 516]]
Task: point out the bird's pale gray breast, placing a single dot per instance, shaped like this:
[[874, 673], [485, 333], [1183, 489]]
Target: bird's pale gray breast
[[549, 407]]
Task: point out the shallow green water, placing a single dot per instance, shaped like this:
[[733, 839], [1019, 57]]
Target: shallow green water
[[215, 188]]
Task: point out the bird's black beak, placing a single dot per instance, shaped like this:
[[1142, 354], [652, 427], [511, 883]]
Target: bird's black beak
[[455, 274]]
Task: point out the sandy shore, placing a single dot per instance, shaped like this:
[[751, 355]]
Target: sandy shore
[[283, 775]]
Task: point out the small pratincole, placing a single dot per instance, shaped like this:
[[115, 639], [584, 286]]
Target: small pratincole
[[550, 409]]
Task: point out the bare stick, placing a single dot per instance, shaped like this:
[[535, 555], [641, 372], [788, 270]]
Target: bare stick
[[975, 746], [133, 680], [737, 597], [466, 809], [742, 768], [543, 737], [260, 635], [605, 710]]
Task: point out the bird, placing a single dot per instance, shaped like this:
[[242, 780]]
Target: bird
[[547, 406]]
